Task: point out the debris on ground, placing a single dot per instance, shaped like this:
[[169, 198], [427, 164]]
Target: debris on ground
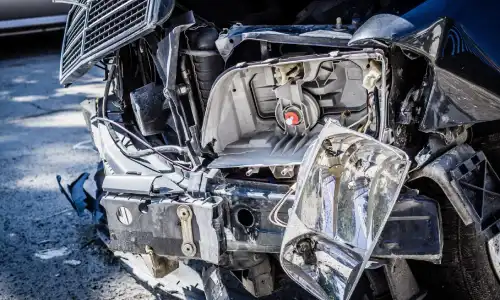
[[72, 262], [53, 253]]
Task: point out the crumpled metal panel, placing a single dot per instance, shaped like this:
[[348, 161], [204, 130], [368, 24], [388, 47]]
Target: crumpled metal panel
[[138, 223], [462, 87], [346, 189], [311, 35]]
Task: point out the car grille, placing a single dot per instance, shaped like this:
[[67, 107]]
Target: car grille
[[100, 29], [108, 19], [72, 48]]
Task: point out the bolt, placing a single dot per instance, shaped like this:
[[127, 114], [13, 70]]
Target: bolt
[[183, 212], [182, 89], [252, 170], [188, 249], [338, 24], [287, 170]]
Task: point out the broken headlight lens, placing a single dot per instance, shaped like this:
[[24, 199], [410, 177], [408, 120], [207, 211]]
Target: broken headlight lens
[[346, 189]]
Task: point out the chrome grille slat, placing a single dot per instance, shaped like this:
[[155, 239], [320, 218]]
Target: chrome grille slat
[[74, 17], [104, 26], [75, 32], [73, 39], [110, 8], [77, 42], [114, 25], [70, 57]]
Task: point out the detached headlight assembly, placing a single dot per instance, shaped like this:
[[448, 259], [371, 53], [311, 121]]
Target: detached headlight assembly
[[346, 188]]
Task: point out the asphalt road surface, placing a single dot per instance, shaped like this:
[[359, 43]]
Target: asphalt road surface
[[46, 250]]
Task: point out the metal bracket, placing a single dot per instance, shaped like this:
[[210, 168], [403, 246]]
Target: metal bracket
[[185, 215], [259, 281], [388, 136], [221, 284], [199, 182], [401, 281], [158, 265]]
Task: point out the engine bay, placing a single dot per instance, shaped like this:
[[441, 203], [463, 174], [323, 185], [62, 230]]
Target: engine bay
[[211, 149]]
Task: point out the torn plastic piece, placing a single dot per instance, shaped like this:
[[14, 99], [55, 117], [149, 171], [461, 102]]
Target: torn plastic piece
[[401, 281], [77, 196], [200, 181], [373, 76], [220, 284], [258, 280], [147, 104], [158, 265], [413, 230], [167, 51], [481, 187], [439, 172], [80, 199]]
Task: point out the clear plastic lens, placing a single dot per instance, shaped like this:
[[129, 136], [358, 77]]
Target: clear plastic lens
[[346, 189]]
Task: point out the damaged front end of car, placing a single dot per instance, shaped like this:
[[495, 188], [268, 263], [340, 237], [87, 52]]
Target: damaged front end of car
[[279, 161]]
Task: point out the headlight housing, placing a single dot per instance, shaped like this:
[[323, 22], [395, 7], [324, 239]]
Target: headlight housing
[[346, 189]]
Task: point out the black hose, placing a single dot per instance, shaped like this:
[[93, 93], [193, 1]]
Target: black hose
[[377, 110], [192, 102], [200, 53], [176, 121], [106, 92]]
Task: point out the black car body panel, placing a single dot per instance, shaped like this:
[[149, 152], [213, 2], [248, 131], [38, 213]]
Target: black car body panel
[[455, 38]]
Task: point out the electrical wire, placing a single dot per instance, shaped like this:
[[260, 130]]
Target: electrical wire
[[369, 114], [273, 215], [358, 122], [137, 138], [367, 125], [140, 153], [163, 149]]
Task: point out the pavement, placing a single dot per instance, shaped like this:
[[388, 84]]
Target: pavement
[[46, 250]]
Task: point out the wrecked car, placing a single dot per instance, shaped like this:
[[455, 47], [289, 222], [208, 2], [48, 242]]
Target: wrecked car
[[346, 151]]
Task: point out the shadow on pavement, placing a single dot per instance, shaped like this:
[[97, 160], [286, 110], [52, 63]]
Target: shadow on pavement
[[40, 124], [31, 44]]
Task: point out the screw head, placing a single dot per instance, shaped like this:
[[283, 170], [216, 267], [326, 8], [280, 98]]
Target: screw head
[[124, 215], [188, 249], [183, 212]]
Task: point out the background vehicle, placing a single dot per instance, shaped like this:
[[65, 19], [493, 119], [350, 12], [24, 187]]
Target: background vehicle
[[355, 154], [27, 16]]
